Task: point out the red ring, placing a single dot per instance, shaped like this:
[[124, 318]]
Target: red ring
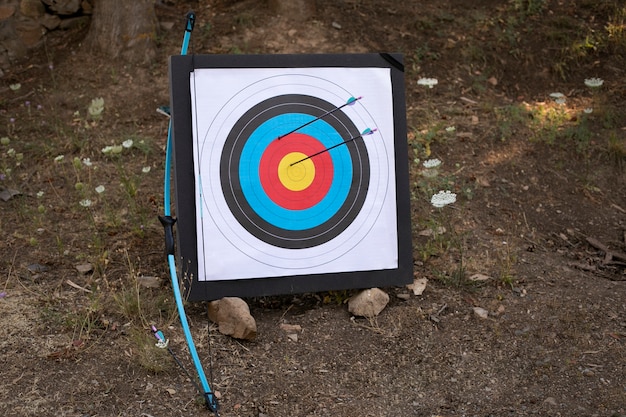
[[273, 187]]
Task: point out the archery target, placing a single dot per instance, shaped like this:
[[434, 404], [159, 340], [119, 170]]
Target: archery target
[[277, 196], [286, 183]]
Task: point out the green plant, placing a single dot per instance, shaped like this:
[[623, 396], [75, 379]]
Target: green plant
[[507, 261], [510, 119]]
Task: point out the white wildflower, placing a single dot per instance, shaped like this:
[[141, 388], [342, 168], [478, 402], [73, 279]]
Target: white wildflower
[[85, 203], [557, 95], [450, 129], [432, 163], [588, 110], [128, 143], [96, 107], [594, 82], [100, 189], [443, 198], [145, 170], [59, 158], [15, 87], [428, 82], [87, 162]]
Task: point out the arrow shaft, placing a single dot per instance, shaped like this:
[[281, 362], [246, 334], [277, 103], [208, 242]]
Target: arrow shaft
[[345, 142], [349, 102]]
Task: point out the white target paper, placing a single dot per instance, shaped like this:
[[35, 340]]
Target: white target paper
[[257, 215]]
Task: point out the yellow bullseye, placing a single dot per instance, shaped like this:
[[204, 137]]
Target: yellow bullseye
[[299, 176]]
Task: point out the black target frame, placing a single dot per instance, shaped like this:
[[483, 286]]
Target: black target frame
[[185, 182]]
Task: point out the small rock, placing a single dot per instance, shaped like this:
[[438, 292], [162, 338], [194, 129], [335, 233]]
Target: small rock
[[293, 337], [336, 25], [50, 21], [550, 401], [84, 268], [32, 8], [6, 12], [233, 318], [290, 327], [479, 277], [6, 194], [368, 303], [418, 286], [404, 296], [64, 7], [149, 282], [481, 312], [37, 268]]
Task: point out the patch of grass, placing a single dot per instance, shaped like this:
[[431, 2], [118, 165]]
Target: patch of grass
[[616, 149], [147, 354], [510, 120]]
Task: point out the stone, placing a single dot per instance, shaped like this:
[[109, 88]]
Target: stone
[[85, 268], [418, 286], [50, 21], [64, 7], [481, 312], [32, 8], [29, 32], [6, 12], [232, 315], [368, 303]]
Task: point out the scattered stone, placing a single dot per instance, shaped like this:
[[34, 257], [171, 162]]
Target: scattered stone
[[290, 328], [32, 8], [50, 21], [64, 7], [84, 268], [6, 194], [550, 401], [418, 286], [404, 296], [149, 281], [74, 22], [233, 318], [368, 303], [479, 277], [37, 268], [336, 25], [481, 312], [6, 12]]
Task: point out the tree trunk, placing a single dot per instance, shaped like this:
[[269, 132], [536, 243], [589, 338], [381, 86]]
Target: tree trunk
[[298, 10], [124, 29]]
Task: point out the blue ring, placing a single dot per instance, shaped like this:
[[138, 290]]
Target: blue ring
[[253, 191]]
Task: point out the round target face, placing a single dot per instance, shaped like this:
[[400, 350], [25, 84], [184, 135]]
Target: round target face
[[274, 191], [284, 174]]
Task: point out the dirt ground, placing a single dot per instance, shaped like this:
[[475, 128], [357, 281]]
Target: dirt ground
[[540, 215]]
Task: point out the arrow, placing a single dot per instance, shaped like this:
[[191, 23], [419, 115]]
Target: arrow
[[366, 132], [350, 102]]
